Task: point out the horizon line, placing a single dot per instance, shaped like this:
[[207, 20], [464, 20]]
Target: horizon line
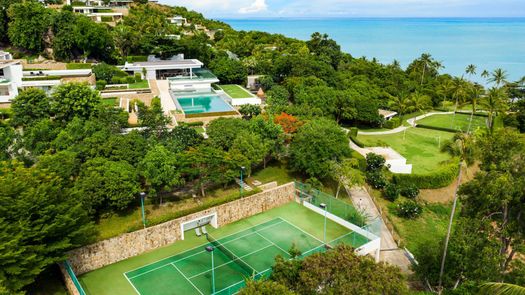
[[362, 17]]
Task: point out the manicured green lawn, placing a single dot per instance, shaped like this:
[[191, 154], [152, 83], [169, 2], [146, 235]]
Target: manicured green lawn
[[457, 122], [274, 171], [139, 85], [416, 234], [110, 279], [78, 66], [421, 147], [199, 129], [110, 101], [236, 91]]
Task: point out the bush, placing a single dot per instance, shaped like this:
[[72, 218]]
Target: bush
[[392, 123], [374, 162], [357, 142], [101, 84], [136, 58], [353, 132], [138, 77], [376, 179], [391, 192], [193, 124], [115, 80], [409, 209], [436, 128], [130, 79], [106, 18], [442, 177], [410, 191]]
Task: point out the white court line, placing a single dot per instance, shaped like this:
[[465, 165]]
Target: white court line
[[302, 230], [231, 261], [187, 278], [273, 243], [201, 245], [200, 252], [131, 284]]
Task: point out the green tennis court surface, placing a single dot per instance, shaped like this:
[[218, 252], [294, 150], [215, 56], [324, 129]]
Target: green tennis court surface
[[190, 272]]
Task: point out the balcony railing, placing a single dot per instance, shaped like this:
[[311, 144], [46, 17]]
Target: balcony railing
[[197, 75]]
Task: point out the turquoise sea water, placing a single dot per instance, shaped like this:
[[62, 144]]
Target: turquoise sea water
[[487, 43]]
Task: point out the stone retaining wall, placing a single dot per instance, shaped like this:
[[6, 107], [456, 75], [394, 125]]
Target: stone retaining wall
[[127, 245]]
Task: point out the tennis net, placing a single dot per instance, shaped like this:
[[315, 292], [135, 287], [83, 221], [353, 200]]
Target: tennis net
[[236, 259]]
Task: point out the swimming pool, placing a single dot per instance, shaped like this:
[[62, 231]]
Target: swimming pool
[[207, 103]]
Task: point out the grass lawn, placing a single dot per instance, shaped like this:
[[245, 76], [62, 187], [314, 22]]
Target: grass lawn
[[78, 66], [457, 122], [139, 85], [110, 279], [274, 171], [110, 101], [430, 227], [419, 146], [199, 129], [235, 91]]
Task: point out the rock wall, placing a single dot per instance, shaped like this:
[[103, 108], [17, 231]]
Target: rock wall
[[127, 245]]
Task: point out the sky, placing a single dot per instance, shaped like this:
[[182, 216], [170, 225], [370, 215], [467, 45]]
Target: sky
[[353, 8]]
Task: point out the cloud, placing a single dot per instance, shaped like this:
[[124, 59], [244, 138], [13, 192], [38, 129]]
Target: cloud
[[256, 6]]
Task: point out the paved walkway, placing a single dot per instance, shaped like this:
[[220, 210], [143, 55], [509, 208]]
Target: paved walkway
[[410, 121], [166, 100], [390, 252]]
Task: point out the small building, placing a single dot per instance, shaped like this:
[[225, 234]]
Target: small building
[[10, 79], [178, 20], [99, 14], [253, 82], [5, 55], [387, 114]]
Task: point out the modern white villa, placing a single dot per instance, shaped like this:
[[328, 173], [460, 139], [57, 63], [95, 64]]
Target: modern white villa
[[178, 20], [99, 13], [13, 77]]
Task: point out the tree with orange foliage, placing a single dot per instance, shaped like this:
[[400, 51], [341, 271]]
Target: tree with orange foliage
[[288, 122]]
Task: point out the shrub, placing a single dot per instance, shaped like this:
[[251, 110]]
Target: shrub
[[130, 79], [353, 132], [136, 58], [410, 191], [442, 177], [391, 192], [374, 162], [392, 123], [193, 124], [376, 179], [106, 18], [101, 84], [115, 80], [138, 77], [357, 142], [436, 128], [409, 209]]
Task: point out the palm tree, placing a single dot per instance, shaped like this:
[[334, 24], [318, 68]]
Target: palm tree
[[485, 74], [445, 89], [470, 70], [400, 104], [419, 103], [458, 93], [428, 63], [499, 76], [461, 146], [501, 289], [475, 92], [494, 102]]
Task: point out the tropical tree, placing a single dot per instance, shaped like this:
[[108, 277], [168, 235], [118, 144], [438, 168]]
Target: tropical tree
[[470, 70], [462, 146], [501, 289], [401, 104], [445, 89], [420, 103], [428, 64], [346, 173], [494, 102], [475, 92], [485, 74], [29, 106], [499, 76], [74, 100]]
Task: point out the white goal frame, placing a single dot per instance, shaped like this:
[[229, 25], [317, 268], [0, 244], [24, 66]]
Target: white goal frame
[[210, 219]]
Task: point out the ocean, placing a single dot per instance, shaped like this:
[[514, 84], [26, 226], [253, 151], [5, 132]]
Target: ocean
[[488, 43]]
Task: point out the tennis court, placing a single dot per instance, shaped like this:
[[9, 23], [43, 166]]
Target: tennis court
[[236, 257]]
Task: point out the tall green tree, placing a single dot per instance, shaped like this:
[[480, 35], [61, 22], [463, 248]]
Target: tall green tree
[[161, 171], [315, 145], [28, 23], [494, 102], [74, 100], [30, 105], [39, 223], [498, 77]]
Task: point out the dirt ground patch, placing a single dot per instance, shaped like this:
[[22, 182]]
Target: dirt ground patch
[[446, 194]]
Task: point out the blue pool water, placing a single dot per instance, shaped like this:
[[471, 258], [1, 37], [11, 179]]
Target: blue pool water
[[204, 104], [488, 43]]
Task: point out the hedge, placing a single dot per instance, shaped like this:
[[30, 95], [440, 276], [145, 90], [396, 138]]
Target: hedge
[[215, 114], [442, 177], [357, 141], [41, 78], [78, 66], [437, 128], [475, 114], [136, 58], [193, 124]]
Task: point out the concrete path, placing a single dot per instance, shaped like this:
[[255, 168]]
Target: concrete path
[[390, 252], [166, 100], [410, 121]]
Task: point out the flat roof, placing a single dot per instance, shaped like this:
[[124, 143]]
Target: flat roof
[[387, 113], [183, 62], [7, 63]]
